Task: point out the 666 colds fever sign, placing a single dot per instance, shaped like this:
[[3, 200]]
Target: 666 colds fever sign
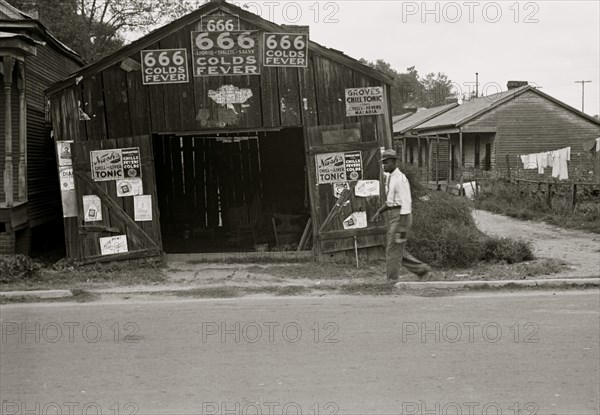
[[164, 66]]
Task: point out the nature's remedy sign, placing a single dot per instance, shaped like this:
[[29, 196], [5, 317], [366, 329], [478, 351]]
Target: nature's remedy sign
[[338, 167], [106, 165], [164, 66], [285, 49], [225, 53], [364, 101]]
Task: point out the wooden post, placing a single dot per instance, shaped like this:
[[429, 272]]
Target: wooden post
[[8, 63], [548, 194], [460, 160], [574, 195], [508, 166], [437, 163], [22, 133], [449, 162]]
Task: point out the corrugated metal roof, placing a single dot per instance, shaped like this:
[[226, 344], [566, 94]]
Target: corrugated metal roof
[[397, 118], [466, 111], [420, 117]]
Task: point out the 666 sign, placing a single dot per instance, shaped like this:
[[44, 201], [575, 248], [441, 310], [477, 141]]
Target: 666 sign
[[164, 66]]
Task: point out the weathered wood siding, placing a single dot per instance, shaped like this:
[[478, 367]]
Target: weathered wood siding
[[47, 67], [531, 123], [120, 106]]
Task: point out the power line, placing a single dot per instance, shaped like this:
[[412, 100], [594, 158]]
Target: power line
[[582, 91]]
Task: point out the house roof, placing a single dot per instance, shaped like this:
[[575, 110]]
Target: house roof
[[403, 125], [467, 111], [12, 20], [397, 118], [194, 16]]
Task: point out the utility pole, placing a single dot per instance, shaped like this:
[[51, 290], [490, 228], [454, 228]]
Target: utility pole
[[476, 84], [582, 91]]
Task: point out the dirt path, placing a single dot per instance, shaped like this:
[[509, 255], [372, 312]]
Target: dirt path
[[581, 250]]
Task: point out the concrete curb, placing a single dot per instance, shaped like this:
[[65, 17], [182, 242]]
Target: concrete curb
[[44, 294], [402, 285], [546, 283]]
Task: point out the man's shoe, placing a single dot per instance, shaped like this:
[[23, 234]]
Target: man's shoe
[[424, 273]]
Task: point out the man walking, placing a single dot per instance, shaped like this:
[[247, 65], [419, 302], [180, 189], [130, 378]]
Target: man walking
[[399, 204]]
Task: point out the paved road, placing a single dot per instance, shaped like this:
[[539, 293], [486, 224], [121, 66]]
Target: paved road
[[522, 353]]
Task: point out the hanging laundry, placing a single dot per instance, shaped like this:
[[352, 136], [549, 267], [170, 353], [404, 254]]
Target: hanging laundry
[[559, 163], [529, 161], [598, 144]]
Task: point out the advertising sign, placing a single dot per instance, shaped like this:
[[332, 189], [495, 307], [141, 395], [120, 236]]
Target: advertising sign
[[164, 66], [356, 220], [285, 49], [106, 164], [142, 207], [366, 188], [364, 101], [113, 245], [338, 167], [220, 23], [92, 208], [132, 166], [225, 53], [67, 181]]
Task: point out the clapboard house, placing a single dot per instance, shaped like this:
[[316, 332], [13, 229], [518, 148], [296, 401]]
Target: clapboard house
[[240, 127], [31, 60], [427, 153], [490, 133]]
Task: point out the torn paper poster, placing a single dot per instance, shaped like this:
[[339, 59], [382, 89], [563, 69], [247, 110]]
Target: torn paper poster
[[142, 206], [129, 187], [366, 188], [230, 94], [113, 245], [92, 208], [357, 220]]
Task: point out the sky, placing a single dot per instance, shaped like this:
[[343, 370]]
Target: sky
[[550, 44]]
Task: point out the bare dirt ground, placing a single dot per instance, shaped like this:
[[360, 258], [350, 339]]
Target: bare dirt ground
[[580, 250]]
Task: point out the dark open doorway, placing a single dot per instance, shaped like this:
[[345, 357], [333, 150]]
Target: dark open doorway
[[232, 192]]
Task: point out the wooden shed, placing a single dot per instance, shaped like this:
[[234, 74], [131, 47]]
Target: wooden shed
[[222, 132], [31, 59]]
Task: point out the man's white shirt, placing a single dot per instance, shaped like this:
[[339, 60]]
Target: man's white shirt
[[398, 191]]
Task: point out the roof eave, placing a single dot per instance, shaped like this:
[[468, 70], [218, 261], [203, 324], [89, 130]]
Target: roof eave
[[163, 31]]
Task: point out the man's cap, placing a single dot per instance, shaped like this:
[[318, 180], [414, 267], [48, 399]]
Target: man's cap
[[388, 154]]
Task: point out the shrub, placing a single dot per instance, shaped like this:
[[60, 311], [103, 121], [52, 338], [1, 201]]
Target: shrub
[[14, 267], [444, 232], [507, 250]]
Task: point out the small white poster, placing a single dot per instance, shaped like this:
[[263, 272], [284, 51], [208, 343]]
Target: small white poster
[[142, 206], [63, 150], [113, 245], [357, 220], [92, 208], [129, 187], [366, 188], [67, 182]]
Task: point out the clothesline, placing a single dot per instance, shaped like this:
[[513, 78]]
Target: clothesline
[[557, 159]]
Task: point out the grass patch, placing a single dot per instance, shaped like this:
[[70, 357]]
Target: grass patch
[[65, 275], [505, 198]]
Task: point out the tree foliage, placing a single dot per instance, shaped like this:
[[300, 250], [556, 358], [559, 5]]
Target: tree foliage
[[95, 28], [410, 90]]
